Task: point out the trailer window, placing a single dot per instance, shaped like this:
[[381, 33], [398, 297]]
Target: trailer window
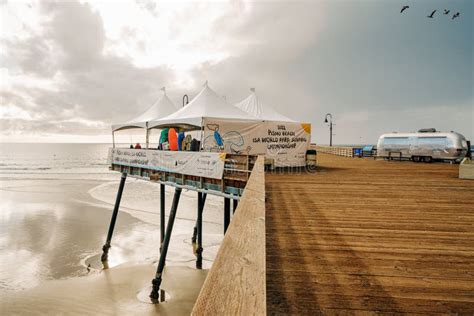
[[395, 141], [433, 141]]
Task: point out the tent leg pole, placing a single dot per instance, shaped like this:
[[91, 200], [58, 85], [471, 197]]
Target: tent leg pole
[[199, 250], [147, 136], [226, 214], [106, 246], [113, 139], [154, 295]]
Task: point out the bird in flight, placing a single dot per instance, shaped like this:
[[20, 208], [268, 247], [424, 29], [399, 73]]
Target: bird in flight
[[456, 15], [446, 12], [404, 8], [431, 15]]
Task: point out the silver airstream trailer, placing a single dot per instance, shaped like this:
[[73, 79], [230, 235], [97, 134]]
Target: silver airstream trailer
[[425, 145]]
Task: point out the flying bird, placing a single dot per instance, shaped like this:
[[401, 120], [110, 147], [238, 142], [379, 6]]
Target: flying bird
[[446, 12], [456, 15], [404, 8], [431, 15]]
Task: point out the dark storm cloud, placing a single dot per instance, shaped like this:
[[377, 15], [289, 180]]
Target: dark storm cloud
[[374, 70]]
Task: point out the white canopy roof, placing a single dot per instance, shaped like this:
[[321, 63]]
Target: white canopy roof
[[254, 107], [207, 104], [161, 108]]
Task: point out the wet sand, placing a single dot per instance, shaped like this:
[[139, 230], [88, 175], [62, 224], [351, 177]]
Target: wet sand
[[51, 229], [112, 292], [47, 232]]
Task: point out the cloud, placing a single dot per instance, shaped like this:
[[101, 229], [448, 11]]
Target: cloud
[[72, 63], [83, 83]]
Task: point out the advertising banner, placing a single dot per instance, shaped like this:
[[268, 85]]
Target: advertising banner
[[285, 142], [200, 164]]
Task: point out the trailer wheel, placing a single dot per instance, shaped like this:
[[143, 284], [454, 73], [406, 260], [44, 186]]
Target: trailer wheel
[[428, 159], [416, 158]]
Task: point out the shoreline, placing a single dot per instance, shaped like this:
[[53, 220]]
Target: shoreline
[[135, 242]]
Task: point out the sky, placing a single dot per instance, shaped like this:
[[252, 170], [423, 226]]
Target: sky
[[69, 69]]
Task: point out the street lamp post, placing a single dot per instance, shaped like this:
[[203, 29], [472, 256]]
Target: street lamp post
[[330, 126], [187, 100]]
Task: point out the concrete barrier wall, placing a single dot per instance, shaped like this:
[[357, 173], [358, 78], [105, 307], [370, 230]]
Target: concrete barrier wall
[[236, 283]]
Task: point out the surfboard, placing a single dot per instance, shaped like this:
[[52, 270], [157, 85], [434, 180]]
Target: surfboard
[[173, 139]]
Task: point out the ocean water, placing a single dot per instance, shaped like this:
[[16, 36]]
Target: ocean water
[[53, 161]]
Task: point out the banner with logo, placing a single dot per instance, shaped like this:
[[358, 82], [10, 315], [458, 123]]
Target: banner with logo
[[200, 164], [285, 142]]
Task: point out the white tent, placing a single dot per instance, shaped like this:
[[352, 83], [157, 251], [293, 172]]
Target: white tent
[[161, 108], [253, 106], [207, 104]]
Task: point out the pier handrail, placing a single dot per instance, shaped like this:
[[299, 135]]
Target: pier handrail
[[335, 150], [236, 283]]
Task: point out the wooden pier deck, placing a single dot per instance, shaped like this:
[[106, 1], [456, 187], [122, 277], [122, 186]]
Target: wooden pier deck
[[364, 236]]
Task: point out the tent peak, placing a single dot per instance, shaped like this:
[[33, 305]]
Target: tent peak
[[164, 90], [206, 84], [253, 106]]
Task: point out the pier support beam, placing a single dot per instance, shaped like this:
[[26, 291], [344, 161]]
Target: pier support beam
[[154, 295], [199, 249], [226, 213], [106, 246], [234, 206], [195, 230], [162, 214]]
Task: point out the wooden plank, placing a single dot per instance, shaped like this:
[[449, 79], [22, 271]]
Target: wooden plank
[[235, 284], [362, 236]]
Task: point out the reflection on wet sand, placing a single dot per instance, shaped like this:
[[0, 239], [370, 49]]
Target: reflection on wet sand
[[46, 234], [111, 292], [51, 235]]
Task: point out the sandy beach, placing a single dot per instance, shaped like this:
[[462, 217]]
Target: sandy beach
[[116, 291]]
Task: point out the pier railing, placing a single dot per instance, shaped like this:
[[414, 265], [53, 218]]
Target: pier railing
[[336, 150], [215, 173], [236, 282]]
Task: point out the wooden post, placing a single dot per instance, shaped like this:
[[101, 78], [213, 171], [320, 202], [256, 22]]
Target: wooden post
[[159, 271], [106, 246], [226, 213]]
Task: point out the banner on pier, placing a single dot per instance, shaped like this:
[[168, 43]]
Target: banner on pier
[[285, 142], [200, 164]]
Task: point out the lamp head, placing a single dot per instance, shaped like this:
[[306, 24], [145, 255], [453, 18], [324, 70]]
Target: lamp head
[[326, 120]]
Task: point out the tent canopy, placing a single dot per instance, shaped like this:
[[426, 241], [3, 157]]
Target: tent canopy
[[253, 106], [207, 104], [161, 108]]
